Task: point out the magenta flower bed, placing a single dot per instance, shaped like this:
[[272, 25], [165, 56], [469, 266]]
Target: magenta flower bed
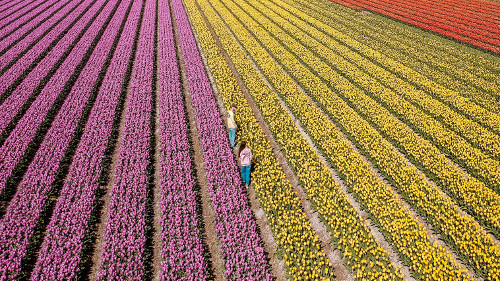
[[17, 226], [181, 245], [241, 246], [124, 238], [19, 139], [59, 256]]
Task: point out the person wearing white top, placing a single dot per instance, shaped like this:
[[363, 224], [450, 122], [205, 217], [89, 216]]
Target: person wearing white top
[[231, 124]]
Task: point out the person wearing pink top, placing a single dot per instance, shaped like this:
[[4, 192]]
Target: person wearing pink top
[[245, 162]]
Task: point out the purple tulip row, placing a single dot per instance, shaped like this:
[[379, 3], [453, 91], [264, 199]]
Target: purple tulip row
[[124, 237], [19, 222], [241, 246], [181, 245], [60, 254], [21, 16], [17, 142], [32, 31]]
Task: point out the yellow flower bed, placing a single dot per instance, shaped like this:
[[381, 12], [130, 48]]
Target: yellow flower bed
[[470, 239], [478, 83], [407, 236], [470, 130], [481, 164], [472, 194], [288, 222], [344, 224], [390, 39]]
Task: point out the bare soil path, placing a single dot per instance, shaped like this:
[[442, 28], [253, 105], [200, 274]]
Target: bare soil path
[[156, 188]]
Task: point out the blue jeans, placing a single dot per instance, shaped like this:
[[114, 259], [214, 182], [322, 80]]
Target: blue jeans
[[232, 136], [245, 173]]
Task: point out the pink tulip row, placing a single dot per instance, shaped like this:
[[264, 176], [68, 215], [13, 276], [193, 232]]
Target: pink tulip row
[[182, 252], [7, 8], [61, 251], [32, 31], [18, 224], [124, 236], [17, 142], [236, 229], [21, 16]]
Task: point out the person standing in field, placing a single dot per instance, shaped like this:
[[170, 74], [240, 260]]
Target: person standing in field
[[231, 124], [246, 162]]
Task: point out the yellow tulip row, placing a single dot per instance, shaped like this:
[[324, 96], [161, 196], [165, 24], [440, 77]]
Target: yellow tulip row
[[468, 238], [291, 230], [378, 77], [472, 194], [428, 61], [344, 224], [407, 236]]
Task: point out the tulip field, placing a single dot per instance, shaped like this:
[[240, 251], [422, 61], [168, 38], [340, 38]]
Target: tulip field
[[374, 127]]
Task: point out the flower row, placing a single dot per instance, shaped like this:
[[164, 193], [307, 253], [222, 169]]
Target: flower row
[[437, 16], [18, 141], [17, 227], [468, 80], [294, 235], [375, 75], [468, 35], [22, 15], [344, 224], [469, 75], [124, 240], [42, 39], [13, 104]]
